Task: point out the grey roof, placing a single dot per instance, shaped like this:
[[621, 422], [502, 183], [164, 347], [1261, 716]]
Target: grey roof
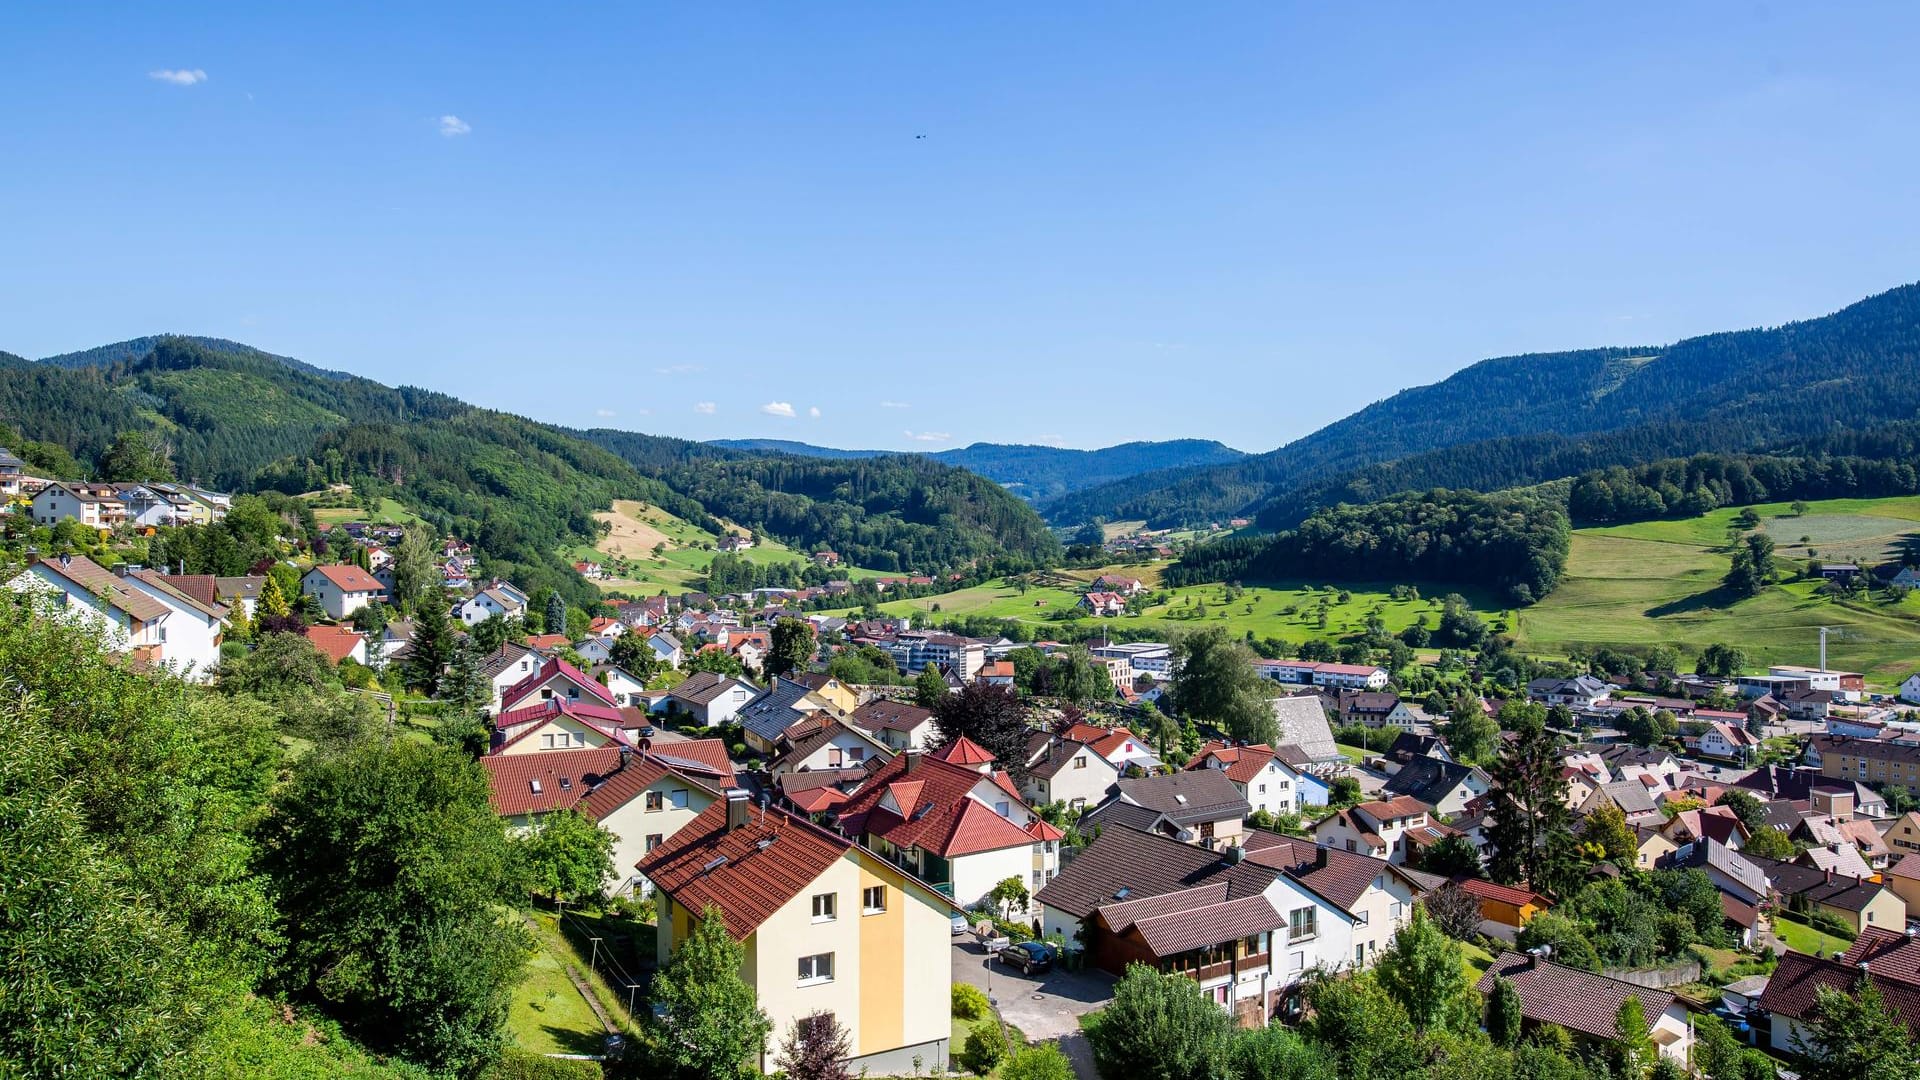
[[701, 687], [8, 461], [503, 658], [1113, 812], [1125, 864], [1187, 797], [1428, 779], [776, 710], [1703, 854], [1631, 796], [1303, 722]]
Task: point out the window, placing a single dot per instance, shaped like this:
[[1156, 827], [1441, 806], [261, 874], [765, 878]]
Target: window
[[816, 969], [1297, 961], [1398, 911], [833, 757], [1263, 789], [873, 900], [1302, 923], [1360, 954], [1206, 830], [654, 840], [857, 754], [1080, 762], [656, 801], [1038, 880], [823, 907], [679, 798], [1004, 809], [1360, 918]]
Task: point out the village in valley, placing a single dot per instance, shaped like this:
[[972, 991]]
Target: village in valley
[[952, 835]]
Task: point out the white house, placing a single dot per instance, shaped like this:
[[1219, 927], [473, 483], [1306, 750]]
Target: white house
[[712, 699], [127, 619], [1910, 689], [93, 505], [1265, 781], [668, 649], [829, 746], [1726, 741], [1380, 830], [1062, 770], [487, 603], [341, 590], [193, 632]]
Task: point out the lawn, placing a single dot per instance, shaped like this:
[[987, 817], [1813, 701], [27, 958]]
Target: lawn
[[636, 529], [1801, 937], [548, 1015], [390, 513], [1478, 960]]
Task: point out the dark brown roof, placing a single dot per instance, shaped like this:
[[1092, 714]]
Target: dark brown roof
[[1833, 890], [1343, 879], [1126, 864], [564, 776], [803, 746], [1121, 916], [702, 687], [706, 864], [1187, 797], [1576, 1000], [89, 576], [1888, 952], [881, 714], [1194, 928], [1794, 986]]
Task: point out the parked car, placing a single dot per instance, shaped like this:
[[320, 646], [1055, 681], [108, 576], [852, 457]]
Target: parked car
[[1031, 957]]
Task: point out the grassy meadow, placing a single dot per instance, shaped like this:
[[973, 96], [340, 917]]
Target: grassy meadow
[[684, 550]]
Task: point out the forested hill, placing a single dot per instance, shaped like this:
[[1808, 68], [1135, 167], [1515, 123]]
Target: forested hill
[[1524, 419], [239, 418], [1035, 472]]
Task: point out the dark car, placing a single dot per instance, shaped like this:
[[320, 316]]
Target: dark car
[[1031, 957]]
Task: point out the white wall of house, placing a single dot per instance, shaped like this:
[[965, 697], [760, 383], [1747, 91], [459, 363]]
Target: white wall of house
[[1330, 945], [975, 875], [1382, 910], [676, 802], [843, 751], [559, 733], [1083, 781], [336, 602], [116, 632], [192, 636]]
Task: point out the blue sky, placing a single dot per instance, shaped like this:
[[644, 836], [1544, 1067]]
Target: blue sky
[[1237, 221]]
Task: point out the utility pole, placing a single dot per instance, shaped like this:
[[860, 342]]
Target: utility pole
[[594, 962], [1823, 648]]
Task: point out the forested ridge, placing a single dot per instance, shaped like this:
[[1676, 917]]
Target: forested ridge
[[1512, 543], [239, 418], [1525, 419]]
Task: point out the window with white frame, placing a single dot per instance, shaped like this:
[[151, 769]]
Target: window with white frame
[[823, 907], [873, 900], [816, 969], [1302, 923]]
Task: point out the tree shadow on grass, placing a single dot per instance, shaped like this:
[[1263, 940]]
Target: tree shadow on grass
[[1713, 599], [575, 1041]]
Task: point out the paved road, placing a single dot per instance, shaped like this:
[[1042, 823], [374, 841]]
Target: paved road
[[1046, 1006]]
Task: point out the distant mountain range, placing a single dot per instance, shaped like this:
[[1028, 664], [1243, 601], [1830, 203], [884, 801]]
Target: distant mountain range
[[1522, 420], [1038, 473]]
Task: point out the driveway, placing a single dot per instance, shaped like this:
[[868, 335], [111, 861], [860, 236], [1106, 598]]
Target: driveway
[[1043, 1007]]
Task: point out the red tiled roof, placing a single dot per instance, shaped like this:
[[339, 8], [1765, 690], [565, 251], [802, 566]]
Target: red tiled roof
[[336, 643], [1887, 952], [512, 777], [881, 714], [1040, 830], [551, 669], [943, 819], [520, 723], [1506, 894], [348, 578], [547, 641], [1793, 989], [706, 864], [1576, 1000], [1243, 763], [1397, 807], [625, 783], [817, 800], [962, 751], [697, 756]]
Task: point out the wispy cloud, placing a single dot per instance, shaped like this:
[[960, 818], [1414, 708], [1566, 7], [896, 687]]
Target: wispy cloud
[[603, 412], [1050, 440], [679, 369], [814, 411], [179, 76], [705, 408], [778, 408], [929, 436], [451, 126], [895, 405]]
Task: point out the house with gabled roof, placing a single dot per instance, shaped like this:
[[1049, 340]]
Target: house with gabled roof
[[1264, 779], [126, 619], [1389, 829], [824, 743], [1198, 807], [901, 725], [1586, 1004], [195, 630], [826, 925], [1446, 786], [711, 698], [1066, 771], [952, 821], [557, 724], [338, 643], [1379, 896], [784, 704], [1886, 957], [342, 589], [555, 678]]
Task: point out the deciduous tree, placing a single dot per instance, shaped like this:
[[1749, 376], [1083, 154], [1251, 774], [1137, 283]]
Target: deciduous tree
[[816, 1048], [1215, 682], [714, 1028]]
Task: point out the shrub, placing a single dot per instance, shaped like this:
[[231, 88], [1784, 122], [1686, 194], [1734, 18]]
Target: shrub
[[969, 1002], [516, 1064], [983, 1050], [1828, 924]]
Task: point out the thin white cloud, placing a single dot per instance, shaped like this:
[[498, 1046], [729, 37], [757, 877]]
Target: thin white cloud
[[679, 369], [778, 408], [705, 408], [895, 405], [814, 411], [179, 76], [929, 436], [603, 412], [451, 126], [1051, 440]]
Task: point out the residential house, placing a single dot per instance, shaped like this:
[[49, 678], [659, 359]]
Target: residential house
[[900, 725], [1445, 786], [1409, 745], [842, 697], [1736, 875], [1302, 722], [594, 650], [556, 679], [1838, 857], [1120, 746], [1857, 903], [342, 589], [827, 744], [1870, 761], [1903, 877], [338, 643], [96, 506], [194, 631], [1104, 605], [668, 650], [1377, 710], [826, 925], [1579, 692], [1199, 807], [1586, 1004], [710, 698], [1248, 933], [1504, 909], [506, 666], [1792, 992], [494, 601], [960, 827], [1120, 583], [1378, 896], [1721, 740], [556, 724], [1635, 798], [784, 704], [734, 542], [1387, 829], [1323, 675], [628, 689], [12, 472], [1653, 848], [127, 620], [1261, 776], [1065, 771]]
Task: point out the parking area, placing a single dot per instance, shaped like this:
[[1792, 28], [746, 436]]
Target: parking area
[[1044, 1006]]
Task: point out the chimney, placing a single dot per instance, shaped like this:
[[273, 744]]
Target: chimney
[[911, 757], [1829, 875], [739, 808], [1319, 858]]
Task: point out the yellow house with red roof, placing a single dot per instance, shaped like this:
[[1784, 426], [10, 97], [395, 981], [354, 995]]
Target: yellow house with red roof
[[826, 925]]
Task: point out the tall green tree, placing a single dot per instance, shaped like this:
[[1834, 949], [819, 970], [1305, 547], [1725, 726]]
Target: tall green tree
[[1529, 807], [416, 566], [1424, 970], [426, 662], [792, 647], [135, 457], [1160, 1027], [1215, 682], [391, 870], [1752, 565], [713, 1028], [1472, 735], [556, 614], [929, 689], [989, 715], [1633, 1051], [1504, 1009], [565, 856], [1856, 1036]]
